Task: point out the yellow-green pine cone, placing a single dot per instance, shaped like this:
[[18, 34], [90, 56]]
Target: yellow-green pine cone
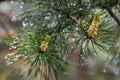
[[43, 46], [93, 29]]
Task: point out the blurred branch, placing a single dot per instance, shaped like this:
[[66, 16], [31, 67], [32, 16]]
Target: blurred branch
[[112, 14], [5, 28], [2, 16], [54, 2], [2, 0], [74, 19]]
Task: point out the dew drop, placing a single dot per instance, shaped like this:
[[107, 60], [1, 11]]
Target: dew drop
[[18, 55], [73, 4], [14, 42], [86, 63], [82, 64], [13, 47], [25, 23], [31, 24], [72, 47], [21, 44], [83, 58], [77, 24], [10, 48], [95, 54], [25, 52], [65, 73], [81, 55], [16, 37], [9, 62], [76, 28], [14, 19], [25, 56], [104, 70], [28, 46], [21, 6], [86, 60], [80, 9], [15, 59], [6, 57], [22, 3], [12, 2]]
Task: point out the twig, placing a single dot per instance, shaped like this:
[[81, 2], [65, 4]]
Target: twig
[[3, 25], [54, 2], [5, 29], [112, 14], [74, 19]]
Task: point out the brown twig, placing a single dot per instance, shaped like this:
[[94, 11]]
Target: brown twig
[[112, 14], [5, 29], [74, 19], [2, 16], [54, 2]]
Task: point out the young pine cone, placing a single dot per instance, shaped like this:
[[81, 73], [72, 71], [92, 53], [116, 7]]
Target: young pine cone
[[93, 29], [44, 44]]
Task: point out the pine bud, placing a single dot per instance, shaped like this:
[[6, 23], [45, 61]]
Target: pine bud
[[93, 29], [44, 44]]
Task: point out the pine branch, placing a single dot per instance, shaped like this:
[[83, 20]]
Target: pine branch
[[113, 15]]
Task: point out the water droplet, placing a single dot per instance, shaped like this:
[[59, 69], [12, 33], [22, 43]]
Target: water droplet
[[104, 70], [22, 3], [86, 63], [47, 18], [28, 46], [25, 52], [83, 58], [10, 48], [25, 56], [73, 4], [86, 4], [15, 59], [21, 44], [31, 24], [59, 15], [14, 19], [18, 55], [6, 57], [13, 47], [65, 73], [25, 23], [73, 39], [16, 37], [80, 9], [76, 28], [21, 6], [14, 42], [82, 64], [77, 24], [10, 54], [9, 62], [72, 47], [87, 59], [95, 54], [12, 2]]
